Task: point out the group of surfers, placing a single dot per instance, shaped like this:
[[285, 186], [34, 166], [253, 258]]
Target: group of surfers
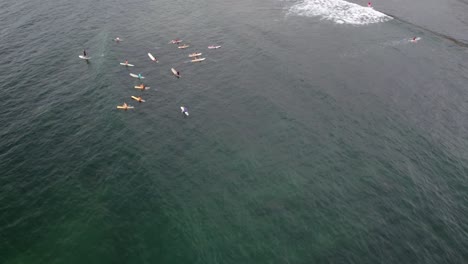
[[142, 86]]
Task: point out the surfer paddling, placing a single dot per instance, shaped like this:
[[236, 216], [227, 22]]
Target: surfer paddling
[[141, 87], [184, 110], [138, 99], [124, 106]]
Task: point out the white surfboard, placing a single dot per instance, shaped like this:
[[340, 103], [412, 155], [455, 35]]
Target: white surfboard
[[198, 60], [415, 40], [195, 55], [152, 57], [184, 46], [214, 47], [84, 57], [136, 76], [175, 72], [140, 88], [126, 64], [184, 110]]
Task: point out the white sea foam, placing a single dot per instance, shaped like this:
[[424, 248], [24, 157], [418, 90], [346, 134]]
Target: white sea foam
[[339, 11]]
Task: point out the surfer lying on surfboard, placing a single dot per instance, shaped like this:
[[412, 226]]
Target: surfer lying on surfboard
[[139, 76], [184, 110], [124, 106], [141, 87], [137, 98], [175, 72]]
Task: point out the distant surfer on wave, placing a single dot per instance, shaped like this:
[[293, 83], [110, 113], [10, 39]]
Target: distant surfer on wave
[[369, 4]]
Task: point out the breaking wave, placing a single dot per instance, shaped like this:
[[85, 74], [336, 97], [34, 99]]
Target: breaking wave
[[339, 11]]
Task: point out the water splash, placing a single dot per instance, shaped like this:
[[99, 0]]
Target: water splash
[[339, 11]]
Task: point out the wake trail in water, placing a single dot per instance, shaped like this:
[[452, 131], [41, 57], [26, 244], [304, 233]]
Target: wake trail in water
[[458, 42], [339, 11], [390, 43]]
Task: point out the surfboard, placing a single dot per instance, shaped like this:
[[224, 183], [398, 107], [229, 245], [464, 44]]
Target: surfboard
[[214, 47], [136, 76], [176, 41], [415, 40], [184, 46], [152, 57], [195, 55], [138, 99], [198, 60], [125, 108], [184, 110], [175, 72], [84, 57], [139, 87], [128, 64]]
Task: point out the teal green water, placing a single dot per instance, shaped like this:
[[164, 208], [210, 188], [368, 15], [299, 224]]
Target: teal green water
[[307, 141]]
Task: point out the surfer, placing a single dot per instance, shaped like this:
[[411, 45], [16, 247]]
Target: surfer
[[126, 62], [124, 106], [139, 76], [139, 99], [183, 110], [141, 87], [117, 39], [84, 52], [369, 4]]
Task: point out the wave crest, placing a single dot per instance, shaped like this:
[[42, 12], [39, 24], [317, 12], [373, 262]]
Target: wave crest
[[339, 11]]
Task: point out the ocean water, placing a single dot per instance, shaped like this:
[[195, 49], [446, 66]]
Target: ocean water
[[318, 133]]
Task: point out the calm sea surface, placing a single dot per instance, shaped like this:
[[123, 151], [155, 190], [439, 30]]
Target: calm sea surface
[[318, 133]]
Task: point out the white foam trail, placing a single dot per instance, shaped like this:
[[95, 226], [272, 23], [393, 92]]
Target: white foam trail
[[339, 11]]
